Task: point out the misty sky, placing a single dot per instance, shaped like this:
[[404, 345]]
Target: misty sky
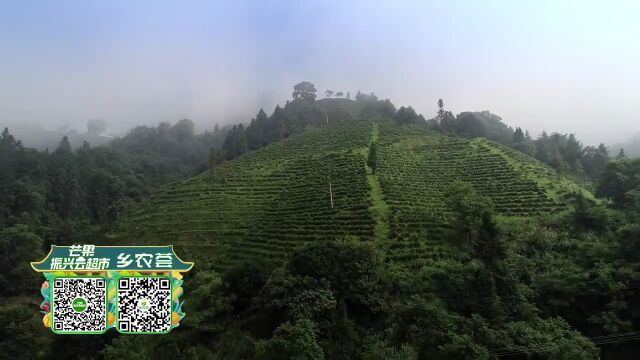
[[568, 66]]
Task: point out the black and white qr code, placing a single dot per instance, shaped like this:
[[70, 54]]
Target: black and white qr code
[[144, 304], [79, 305]]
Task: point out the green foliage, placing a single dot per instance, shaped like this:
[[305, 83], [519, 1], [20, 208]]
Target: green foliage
[[18, 247], [22, 335], [235, 144], [470, 267], [71, 195], [561, 151], [143, 347], [234, 345], [251, 207], [553, 338], [415, 168], [406, 115], [297, 297], [469, 208], [372, 159], [352, 268], [243, 282], [377, 348], [629, 240], [588, 216], [295, 341], [168, 152], [469, 125], [207, 303], [305, 91], [620, 181]]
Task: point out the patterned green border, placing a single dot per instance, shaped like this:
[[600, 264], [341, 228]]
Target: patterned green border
[[106, 301], [115, 323]]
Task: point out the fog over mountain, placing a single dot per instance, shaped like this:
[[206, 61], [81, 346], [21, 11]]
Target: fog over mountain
[[572, 67]]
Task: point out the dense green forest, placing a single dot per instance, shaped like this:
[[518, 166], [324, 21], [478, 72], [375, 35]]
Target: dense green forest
[[342, 229]]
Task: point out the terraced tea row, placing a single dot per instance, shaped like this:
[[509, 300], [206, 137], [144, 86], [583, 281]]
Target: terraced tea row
[[315, 187], [415, 168], [266, 203]]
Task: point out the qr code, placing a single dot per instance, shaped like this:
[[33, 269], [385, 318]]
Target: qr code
[[79, 305], [144, 304]]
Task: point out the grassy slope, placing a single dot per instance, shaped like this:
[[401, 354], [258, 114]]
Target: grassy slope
[[271, 201]]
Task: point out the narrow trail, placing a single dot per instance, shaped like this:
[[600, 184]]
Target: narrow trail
[[379, 208]]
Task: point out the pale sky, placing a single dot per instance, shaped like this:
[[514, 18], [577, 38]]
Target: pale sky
[[567, 66]]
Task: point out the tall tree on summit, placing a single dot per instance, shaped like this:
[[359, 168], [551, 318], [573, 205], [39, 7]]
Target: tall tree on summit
[[440, 110], [304, 90]]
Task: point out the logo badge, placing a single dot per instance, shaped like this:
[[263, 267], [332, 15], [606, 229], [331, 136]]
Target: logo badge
[[144, 305], [79, 304]]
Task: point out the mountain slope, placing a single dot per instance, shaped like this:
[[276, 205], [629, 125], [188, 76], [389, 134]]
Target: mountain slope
[[317, 186]]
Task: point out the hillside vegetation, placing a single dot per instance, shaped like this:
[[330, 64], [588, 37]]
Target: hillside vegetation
[[342, 229], [314, 186]]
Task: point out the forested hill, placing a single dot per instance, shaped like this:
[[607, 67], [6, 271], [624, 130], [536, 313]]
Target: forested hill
[[367, 236], [342, 229]]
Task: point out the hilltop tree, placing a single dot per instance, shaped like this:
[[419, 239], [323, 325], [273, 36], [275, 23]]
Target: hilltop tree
[[304, 90], [387, 109], [440, 110], [183, 130], [339, 94], [522, 142], [406, 115], [445, 119], [348, 95], [329, 93], [470, 126]]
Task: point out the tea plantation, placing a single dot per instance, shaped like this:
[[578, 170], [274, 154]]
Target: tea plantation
[[317, 186]]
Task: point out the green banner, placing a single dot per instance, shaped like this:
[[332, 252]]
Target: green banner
[[111, 258]]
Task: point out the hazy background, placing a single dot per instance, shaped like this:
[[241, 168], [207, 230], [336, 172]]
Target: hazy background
[[568, 66]]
